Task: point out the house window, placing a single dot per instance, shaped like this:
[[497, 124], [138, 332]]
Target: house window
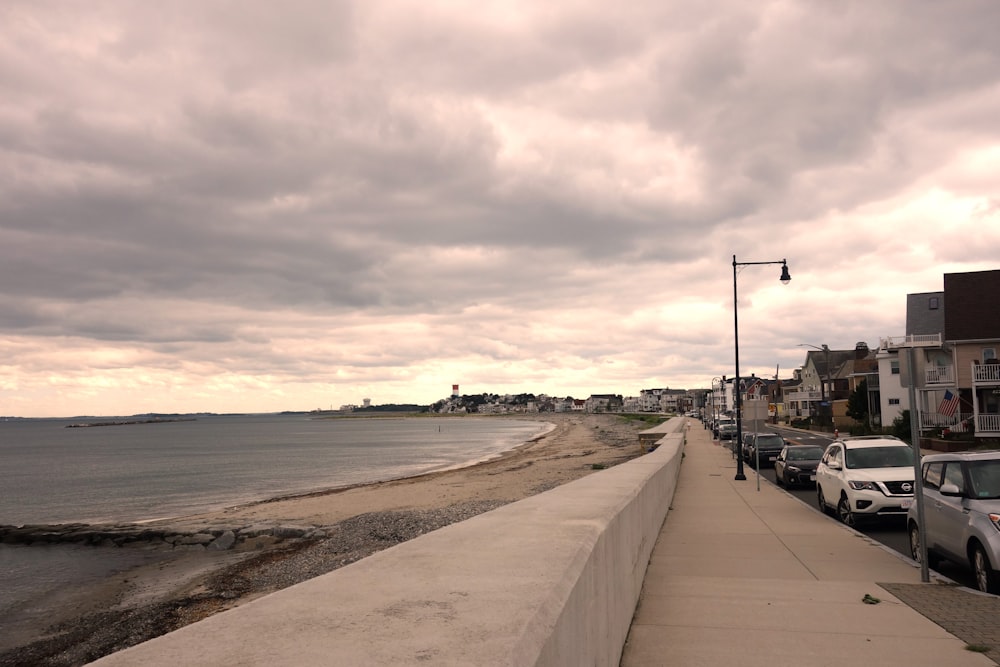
[[989, 353], [894, 366], [932, 303], [893, 401]]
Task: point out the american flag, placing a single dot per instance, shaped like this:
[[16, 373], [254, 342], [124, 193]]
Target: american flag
[[949, 404]]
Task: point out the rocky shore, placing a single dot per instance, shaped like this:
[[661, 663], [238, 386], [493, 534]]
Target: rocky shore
[[131, 536], [214, 562]]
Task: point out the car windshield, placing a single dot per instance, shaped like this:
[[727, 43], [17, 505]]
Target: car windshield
[[985, 479], [770, 441], [805, 453], [879, 457]]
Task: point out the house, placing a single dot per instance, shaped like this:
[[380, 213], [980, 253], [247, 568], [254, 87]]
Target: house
[[720, 401], [827, 379], [778, 390], [932, 366], [953, 337], [972, 329], [604, 403], [649, 400]]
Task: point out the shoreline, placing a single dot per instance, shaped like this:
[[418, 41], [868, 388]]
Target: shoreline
[[348, 523]]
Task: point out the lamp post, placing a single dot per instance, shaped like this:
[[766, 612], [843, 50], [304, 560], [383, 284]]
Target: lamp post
[[825, 349], [785, 278], [715, 405]]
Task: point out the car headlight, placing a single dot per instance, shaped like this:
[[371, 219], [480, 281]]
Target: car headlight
[[864, 486], [995, 520], [793, 469]]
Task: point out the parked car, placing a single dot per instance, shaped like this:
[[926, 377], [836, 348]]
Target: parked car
[[961, 499], [745, 445], [865, 478], [719, 423], [796, 465], [727, 431], [764, 448]]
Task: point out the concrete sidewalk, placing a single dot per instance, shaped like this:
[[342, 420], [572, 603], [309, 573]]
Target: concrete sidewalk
[[746, 577]]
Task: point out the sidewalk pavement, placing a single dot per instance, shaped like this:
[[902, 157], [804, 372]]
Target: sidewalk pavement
[[746, 577]]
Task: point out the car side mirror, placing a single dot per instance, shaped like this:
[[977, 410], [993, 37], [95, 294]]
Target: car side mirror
[[833, 465], [950, 490]]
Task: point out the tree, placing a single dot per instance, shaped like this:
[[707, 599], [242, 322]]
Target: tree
[[857, 403], [901, 426]]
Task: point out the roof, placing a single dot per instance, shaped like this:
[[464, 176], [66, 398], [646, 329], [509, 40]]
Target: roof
[[978, 455], [873, 441], [839, 362]]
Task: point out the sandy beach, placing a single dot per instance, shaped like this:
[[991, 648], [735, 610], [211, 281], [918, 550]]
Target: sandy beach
[[185, 587]]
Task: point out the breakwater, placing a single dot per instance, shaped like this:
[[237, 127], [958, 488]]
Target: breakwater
[[210, 538]]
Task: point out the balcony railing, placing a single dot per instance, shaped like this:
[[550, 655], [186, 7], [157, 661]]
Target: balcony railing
[[939, 375], [913, 340], [956, 422], [988, 425], [986, 373]]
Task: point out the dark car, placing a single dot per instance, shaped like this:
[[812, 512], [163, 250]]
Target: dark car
[[719, 423], [764, 449], [727, 431], [745, 446], [796, 465]]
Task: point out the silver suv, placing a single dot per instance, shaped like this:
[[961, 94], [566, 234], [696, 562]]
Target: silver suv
[[961, 513], [865, 477]]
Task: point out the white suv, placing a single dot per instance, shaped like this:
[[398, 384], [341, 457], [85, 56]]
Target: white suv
[[866, 477]]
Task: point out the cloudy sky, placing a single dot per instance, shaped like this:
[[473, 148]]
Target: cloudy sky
[[259, 206]]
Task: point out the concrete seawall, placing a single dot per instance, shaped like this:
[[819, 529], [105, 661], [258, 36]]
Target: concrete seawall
[[550, 580]]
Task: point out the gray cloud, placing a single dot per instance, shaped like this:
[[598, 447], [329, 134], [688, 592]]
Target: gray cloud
[[315, 201]]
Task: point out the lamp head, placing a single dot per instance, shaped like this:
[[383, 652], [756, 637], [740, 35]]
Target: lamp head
[[785, 278]]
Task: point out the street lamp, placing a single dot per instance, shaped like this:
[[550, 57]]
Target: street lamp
[[785, 278], [822, 384], [715, 405]]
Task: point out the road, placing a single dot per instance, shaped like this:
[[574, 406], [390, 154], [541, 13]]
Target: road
[[890, 533]]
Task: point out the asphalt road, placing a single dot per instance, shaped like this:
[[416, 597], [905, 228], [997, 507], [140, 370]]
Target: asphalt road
[[890, 533]]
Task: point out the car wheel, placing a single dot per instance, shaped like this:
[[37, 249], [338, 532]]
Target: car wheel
[[932, 560], [820, 500], [844, 512], [986, 576]]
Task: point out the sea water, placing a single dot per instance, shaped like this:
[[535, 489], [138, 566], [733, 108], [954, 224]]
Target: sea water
[[52, 473], [142, 471]]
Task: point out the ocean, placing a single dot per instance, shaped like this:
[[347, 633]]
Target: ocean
[[144, 471]]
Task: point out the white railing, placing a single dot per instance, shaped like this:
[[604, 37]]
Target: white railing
[[986, 373], [987, 424], [929, 420], [913, 340], [939, 375]]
